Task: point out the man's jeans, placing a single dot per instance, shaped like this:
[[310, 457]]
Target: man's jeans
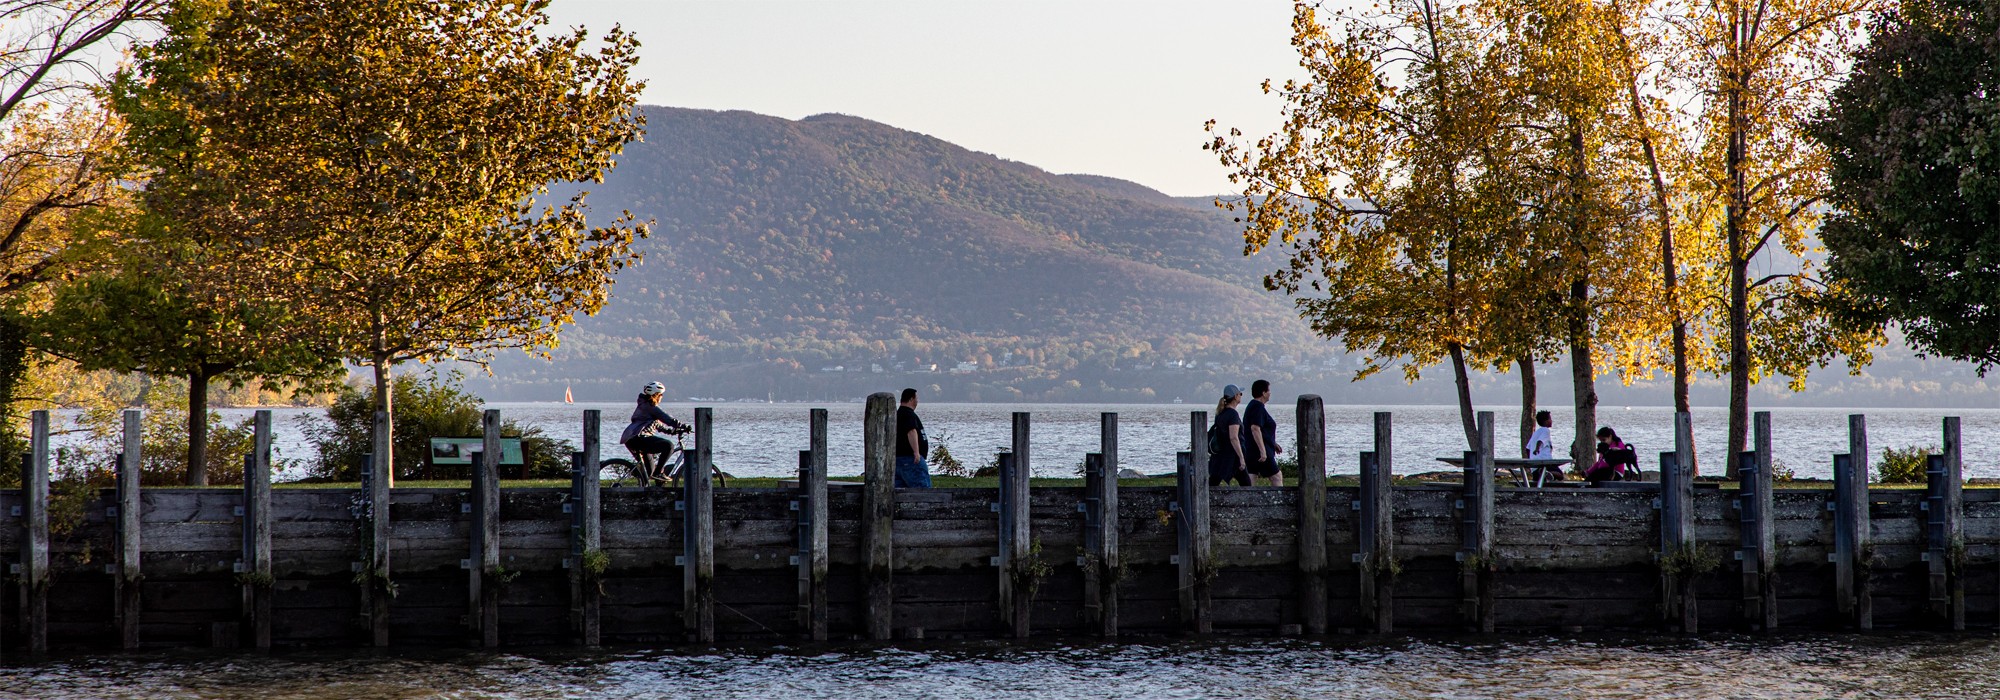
[[912, 473]]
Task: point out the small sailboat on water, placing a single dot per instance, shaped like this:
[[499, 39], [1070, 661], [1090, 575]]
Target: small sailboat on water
[[567, 398]]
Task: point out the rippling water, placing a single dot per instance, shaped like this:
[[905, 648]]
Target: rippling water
[[764, 439], [1818, 666]]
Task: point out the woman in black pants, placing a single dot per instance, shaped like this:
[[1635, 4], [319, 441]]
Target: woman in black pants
[[1225, 442], [642, 435]]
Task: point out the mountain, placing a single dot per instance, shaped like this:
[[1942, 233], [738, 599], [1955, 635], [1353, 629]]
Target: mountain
[[783, 249], [792, 259]]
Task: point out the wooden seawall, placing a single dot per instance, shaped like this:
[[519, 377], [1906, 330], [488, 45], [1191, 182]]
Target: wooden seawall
[[483, 565]]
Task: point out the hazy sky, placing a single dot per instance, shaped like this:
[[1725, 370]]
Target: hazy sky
[[1109, 87]]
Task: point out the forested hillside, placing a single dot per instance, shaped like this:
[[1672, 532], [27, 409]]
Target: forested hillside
[[783, 249]]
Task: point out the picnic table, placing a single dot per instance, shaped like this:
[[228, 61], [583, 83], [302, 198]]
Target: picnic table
[[1523, 470]]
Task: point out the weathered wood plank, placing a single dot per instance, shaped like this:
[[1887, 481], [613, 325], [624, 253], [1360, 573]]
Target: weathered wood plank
[[878, 505], [181, 505], [35, 550], [1014, 537], [1311, 454], [483, 576], [1110, 554], [1099, 556], [1858, 522], [698, 575], [1845, 542], [1375, 537], [587, 570], [1477, 566], [1196, 570], [129, 609], [1678, 539], [257, 533], [1945, 532], [379, 474], [815, 557], [1759, 536]]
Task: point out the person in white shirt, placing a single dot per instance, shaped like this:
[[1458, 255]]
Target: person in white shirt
[[1539, 445]]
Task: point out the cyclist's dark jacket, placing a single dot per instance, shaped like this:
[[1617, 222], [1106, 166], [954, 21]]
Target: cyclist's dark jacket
[[643, 417]]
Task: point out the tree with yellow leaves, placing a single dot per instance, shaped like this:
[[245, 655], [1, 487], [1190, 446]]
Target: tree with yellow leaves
[[374, 166], [54, 139], [1763, 69], [1580, 190], [1390, 187]]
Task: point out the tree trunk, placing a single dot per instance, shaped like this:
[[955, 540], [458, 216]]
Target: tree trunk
[[1464, 395], [384, 446], [1583, 375], [1528, 425], [1663, 206], [197, 405], [1583, 371], [1739, 266]]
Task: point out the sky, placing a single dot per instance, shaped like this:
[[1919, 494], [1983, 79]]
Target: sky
[[1106, 87]]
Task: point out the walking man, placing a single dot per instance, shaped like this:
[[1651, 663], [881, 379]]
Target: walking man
[[1261, 440], [912, 445]]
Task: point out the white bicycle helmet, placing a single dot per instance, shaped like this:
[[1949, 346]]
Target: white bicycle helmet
[[654, 389]]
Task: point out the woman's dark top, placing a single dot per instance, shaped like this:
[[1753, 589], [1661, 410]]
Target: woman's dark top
[[1224, 461], [643, 417], [1256, 417]]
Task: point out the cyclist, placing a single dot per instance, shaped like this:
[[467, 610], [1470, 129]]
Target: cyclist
[[643, 435]]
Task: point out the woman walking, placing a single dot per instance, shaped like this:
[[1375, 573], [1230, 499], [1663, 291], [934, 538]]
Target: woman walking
[[1225, 441]]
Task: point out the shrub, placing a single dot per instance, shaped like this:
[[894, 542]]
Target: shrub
[[427, 406], [942, 462], [1780, 473], [1904, 466], [1288, 466], [163, 443]]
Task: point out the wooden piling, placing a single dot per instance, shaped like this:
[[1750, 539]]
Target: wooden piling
[[1311, 455], [878, 508], [1195, 565], [1677, 540], [1102, 568], [1089, 547], [1864, 548], [1954, 531], [1843, 537], [1850, 541], [1476, 563], [35, 554], [1944, 543], [1760, 558], [257, 585], [483, 576], [698, 574], [1376, 539], [127, 585], [812, 530], [1863, 535], [586, 584], [1016, 545], [377, 571]]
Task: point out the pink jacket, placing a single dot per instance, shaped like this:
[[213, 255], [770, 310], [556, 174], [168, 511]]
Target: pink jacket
[[1615, 444]]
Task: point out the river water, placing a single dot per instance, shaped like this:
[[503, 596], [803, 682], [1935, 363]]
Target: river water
[[764, 439], [1815, 666], [757, 439]]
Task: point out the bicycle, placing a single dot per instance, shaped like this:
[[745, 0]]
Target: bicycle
[[649, 468]]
